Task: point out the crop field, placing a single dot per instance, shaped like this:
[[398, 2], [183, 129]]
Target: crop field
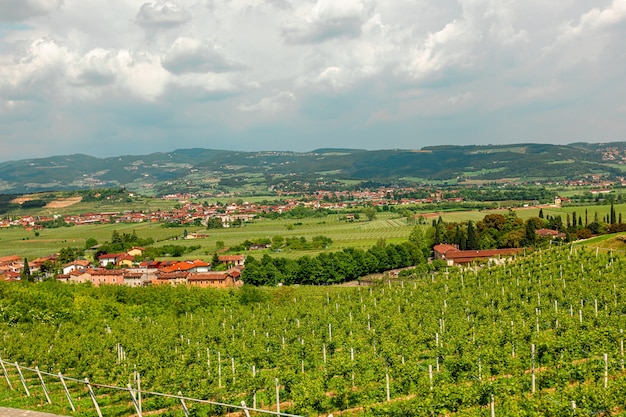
[[542, 335], [388, 226], [359, 234]]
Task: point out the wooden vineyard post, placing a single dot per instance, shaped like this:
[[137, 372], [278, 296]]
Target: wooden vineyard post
[[67, 392], [493, 406], [532, 351], [43, 385], [6, 375], [19, 371]]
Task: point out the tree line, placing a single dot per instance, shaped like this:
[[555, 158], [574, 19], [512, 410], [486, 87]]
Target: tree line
[[334, 267]]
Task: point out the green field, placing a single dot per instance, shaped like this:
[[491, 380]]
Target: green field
[[362, 233]]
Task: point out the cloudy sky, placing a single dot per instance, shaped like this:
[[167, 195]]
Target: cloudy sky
[[117, 77]]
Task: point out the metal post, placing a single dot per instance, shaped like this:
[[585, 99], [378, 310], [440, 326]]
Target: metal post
[[67, 392], [430, 376], [43, 385], [387, 386], [182, 402], [139, 392], [245, 409], [135, 403], [532, 351], [93, 398], [277, 396], [19, 371], [6, 375], [606, 370]]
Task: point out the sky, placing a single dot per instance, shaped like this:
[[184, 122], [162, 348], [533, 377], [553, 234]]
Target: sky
[[131, 77]]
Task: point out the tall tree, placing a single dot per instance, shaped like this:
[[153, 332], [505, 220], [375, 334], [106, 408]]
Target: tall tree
[[472, 236], [613, 218], [25, 275]]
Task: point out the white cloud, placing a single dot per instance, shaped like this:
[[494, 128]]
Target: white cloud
[[161, 15], [326, 20], [597, 19], [188, 55], [271, 104], [356, 64]]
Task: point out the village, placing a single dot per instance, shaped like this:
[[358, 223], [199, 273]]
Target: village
[[123, 269]]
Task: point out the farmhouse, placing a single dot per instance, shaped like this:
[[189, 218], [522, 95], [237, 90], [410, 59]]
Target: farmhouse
[[454, 256], [219, 279], [232, 260]]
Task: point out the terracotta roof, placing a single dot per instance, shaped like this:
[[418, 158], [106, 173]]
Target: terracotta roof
[[208, 276], [486, 253]]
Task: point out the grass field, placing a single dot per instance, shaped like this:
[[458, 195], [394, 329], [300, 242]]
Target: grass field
[[361, 234], [388, 226]]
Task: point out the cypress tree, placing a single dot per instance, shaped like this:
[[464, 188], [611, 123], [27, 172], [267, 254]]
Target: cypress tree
[[472, 236]]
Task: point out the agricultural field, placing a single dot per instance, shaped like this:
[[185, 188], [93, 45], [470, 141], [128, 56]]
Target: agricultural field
[[363, 234], [390, 226], [541, 335]]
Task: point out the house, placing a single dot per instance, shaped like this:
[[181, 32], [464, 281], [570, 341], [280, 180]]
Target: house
[[170, 278], [139, 277], [97, 277], [136, 251], [188, 266], [217, 279], [232, 260], [108, 258], [551, 234], [454, 256], [116, 259], [75, 265]]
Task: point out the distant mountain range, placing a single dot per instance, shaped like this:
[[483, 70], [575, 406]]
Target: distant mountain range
[[197, 169]]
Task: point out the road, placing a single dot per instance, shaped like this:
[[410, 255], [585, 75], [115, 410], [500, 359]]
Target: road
[[12, 412]]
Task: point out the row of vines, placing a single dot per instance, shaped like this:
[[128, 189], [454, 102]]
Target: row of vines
[[531, 334]]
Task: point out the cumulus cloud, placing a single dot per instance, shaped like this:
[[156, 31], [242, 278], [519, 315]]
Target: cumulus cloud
[[327, 20], [597, 19], [271, 104], [161, 15], [18, 10], [356, 64], [187, 55]]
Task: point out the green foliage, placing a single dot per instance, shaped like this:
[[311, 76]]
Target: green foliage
[[125, 241], [214, 223], [477, 325]]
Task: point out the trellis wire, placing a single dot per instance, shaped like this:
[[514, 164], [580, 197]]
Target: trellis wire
[[133, 392]]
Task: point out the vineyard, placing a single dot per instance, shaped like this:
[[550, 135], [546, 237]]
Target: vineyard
[[541, 335]]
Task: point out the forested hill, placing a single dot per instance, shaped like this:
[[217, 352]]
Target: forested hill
[[224, 169]]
